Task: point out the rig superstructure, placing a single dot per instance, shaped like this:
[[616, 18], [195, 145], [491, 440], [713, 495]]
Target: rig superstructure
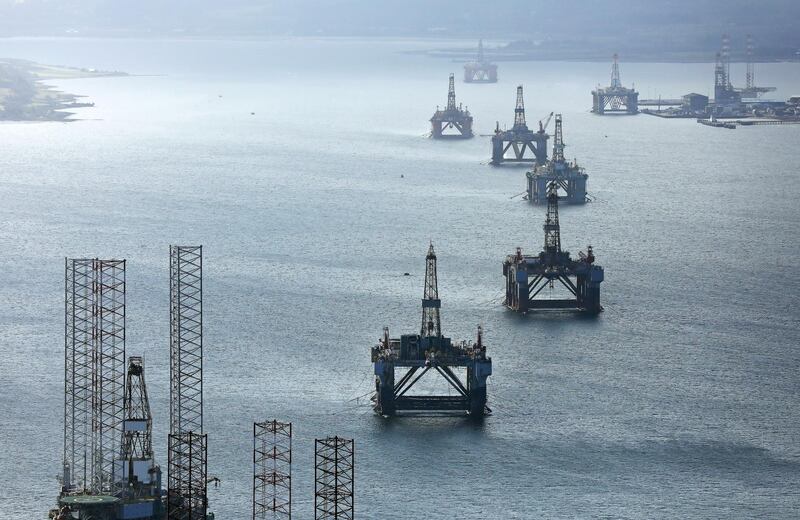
[[430, 351], [520, 139], [480, 70], [109, 469], [615, 99], [453, 122], [528, 276], [569, 178]]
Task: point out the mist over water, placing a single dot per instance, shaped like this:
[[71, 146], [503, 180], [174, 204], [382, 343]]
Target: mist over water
[[679, 401]]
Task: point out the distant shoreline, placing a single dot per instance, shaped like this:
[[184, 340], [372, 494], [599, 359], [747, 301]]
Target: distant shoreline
[[24, 95]]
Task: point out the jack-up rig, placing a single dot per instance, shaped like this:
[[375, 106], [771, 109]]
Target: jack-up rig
[[528, 276], [109, 469], [724, 91], [480, 70], [520, 139], [453, 122], [615, 99], [567, 176], [430, 351]]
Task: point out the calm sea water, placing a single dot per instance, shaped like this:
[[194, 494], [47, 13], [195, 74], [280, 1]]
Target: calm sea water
[[679, 401]]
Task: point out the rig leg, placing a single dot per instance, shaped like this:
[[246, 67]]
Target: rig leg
[[384, 388], [476, 386], [497, 150]]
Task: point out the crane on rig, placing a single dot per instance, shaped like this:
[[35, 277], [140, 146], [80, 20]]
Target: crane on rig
[[543, 127]]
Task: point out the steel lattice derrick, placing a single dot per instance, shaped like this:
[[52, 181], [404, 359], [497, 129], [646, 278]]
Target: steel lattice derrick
[[519, 111], [78, 373], [431, 323], [272, 470], [552, 230], [558, 141], [451, 94], [186, 339], [186, 496], [137, 441], [334, 478], [109, 377]]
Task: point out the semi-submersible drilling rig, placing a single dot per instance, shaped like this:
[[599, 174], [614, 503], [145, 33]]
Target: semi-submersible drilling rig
[[528, 276], [569, 178], [430, 351], [454, 121]]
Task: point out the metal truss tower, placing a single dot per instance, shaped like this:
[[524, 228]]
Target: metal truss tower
[[186, 338], [552, 229], [519, 112], [558, 142], [451, 94], [188, 477], [333, 478], [137, 471], [272, 470], [750, 77], [94, 373], [187, 499], [616, 82], [431, 322]]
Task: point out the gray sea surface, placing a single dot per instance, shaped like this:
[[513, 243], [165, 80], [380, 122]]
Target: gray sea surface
[[679, 401]]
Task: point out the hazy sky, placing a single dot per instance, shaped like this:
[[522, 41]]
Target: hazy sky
[[692, 23]]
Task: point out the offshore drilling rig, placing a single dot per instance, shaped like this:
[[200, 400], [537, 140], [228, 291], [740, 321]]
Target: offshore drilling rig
[[480, 70], [430, 351], [527, 277], [569, 178], [453, 122], [520, 139], [615, 99], [109, 469], [725, 94]]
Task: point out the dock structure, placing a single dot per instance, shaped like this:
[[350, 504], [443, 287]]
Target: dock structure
[[615, 99], [480, 70], [568, 177], [519, 139], [430, 351], [453, 122], [527, 277]]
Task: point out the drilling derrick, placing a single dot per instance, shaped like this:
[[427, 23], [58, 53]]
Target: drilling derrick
[[569, 178], [431, 323], [136, 470], [615, 99], [187, 490], [452, 122], [527, 277], [429, 351], [519, 139], [480, 70]]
